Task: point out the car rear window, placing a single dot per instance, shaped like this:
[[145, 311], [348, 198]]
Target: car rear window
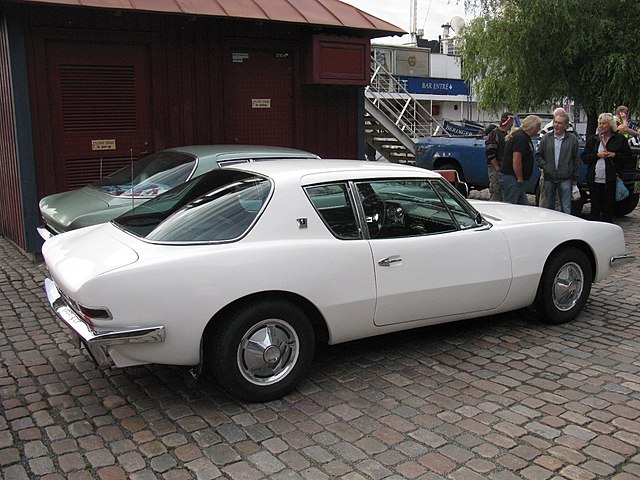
[[150, 176], [218, 206]]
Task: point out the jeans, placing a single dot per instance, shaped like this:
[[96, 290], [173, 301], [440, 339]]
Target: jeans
[[563, 187], [512, 191]]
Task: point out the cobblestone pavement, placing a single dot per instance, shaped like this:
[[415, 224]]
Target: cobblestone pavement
[[500, 398]]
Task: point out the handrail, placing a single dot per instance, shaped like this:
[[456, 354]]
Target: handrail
[[393, 99]]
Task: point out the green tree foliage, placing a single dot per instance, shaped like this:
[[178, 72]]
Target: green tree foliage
[[523, 54]]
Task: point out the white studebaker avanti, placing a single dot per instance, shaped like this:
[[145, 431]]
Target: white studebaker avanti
[[244, 270]]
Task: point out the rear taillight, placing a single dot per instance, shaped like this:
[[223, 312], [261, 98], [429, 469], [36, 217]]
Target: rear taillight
[[91, 314]]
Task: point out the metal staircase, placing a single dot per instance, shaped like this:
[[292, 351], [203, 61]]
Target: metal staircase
[[394, 119]]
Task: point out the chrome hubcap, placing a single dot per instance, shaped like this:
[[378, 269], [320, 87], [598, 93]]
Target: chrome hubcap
[[567, 286], [272, 355], [268, 352]]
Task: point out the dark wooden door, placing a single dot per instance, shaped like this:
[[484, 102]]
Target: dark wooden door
[[258, 95], [100, 108]]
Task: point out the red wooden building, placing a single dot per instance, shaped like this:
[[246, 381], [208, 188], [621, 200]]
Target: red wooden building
[[87, 85]]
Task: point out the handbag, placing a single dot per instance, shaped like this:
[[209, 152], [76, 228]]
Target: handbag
[[621, 190], [575, 193]]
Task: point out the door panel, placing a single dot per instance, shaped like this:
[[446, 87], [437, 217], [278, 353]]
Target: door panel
[[432, 258], [100, 104], [258, 91], [439, 275]]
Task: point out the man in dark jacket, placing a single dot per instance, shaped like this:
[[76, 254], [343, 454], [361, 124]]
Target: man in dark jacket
[[494, 149], [559, 158]]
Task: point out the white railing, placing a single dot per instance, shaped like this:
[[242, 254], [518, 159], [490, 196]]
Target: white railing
[[391, 98]]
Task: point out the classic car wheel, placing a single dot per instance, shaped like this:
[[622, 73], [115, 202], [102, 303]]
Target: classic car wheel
[[564, 286], [262, 351]]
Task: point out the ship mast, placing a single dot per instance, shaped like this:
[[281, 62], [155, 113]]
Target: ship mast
[[413, 21]]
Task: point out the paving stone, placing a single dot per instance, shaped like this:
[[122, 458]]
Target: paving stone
[[100, 458], [222, 454], [41, 466], [163, 463], [266, 463], [131, 461], [9, 456], [203, 469]]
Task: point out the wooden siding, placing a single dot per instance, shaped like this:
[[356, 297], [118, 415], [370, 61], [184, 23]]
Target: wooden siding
[[11, 213], [187, 91], [331, 121]]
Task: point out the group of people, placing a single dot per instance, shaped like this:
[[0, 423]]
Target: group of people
[[511, 159]]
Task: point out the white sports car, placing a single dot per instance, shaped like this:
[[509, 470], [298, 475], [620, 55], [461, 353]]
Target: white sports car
[[244, 270]]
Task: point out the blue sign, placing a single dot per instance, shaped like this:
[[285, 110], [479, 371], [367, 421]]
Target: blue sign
[[434, 86]]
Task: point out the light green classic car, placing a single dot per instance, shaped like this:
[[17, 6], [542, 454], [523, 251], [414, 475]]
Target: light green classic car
[[117, 193]]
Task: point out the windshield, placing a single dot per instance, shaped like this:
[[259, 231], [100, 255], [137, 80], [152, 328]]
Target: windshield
[[152, 175], [218, 206]]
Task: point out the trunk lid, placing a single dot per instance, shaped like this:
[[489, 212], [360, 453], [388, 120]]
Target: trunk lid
[[80, 255]]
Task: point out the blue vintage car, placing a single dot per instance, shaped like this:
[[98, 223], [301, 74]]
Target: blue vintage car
[[466, 155]]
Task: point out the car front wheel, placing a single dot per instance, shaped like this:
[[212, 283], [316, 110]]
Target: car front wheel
[[564, 286], [261, 352]]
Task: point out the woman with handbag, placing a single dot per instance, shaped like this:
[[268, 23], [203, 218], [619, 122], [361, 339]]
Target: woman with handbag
[[605, 153]]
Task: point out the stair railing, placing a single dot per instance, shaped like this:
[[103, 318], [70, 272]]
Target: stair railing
[[392, 98]]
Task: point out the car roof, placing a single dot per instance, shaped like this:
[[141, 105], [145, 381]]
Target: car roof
[[228, 152], [310, 172]]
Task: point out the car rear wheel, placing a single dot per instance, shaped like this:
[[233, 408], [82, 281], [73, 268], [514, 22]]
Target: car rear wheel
[[564, 286], [261, 352]]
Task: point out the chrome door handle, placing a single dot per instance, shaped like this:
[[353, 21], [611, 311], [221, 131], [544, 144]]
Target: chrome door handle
[[387, 262]]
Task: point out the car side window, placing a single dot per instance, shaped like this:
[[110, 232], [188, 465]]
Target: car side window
[[413, 207], [333, 204]]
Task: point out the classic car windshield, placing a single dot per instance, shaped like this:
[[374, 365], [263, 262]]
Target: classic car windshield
[[220, 205], [152, 175]]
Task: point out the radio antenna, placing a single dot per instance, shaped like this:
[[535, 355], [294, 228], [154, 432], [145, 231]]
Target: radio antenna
[[131, 157]]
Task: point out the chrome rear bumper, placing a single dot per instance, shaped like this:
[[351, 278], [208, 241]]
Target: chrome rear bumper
[[618, 260], [98, 340], [44, 232]]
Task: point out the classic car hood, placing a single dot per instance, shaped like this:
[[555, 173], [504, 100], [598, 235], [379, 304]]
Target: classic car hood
[[61, 209], [507, 214], [82, 254]]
